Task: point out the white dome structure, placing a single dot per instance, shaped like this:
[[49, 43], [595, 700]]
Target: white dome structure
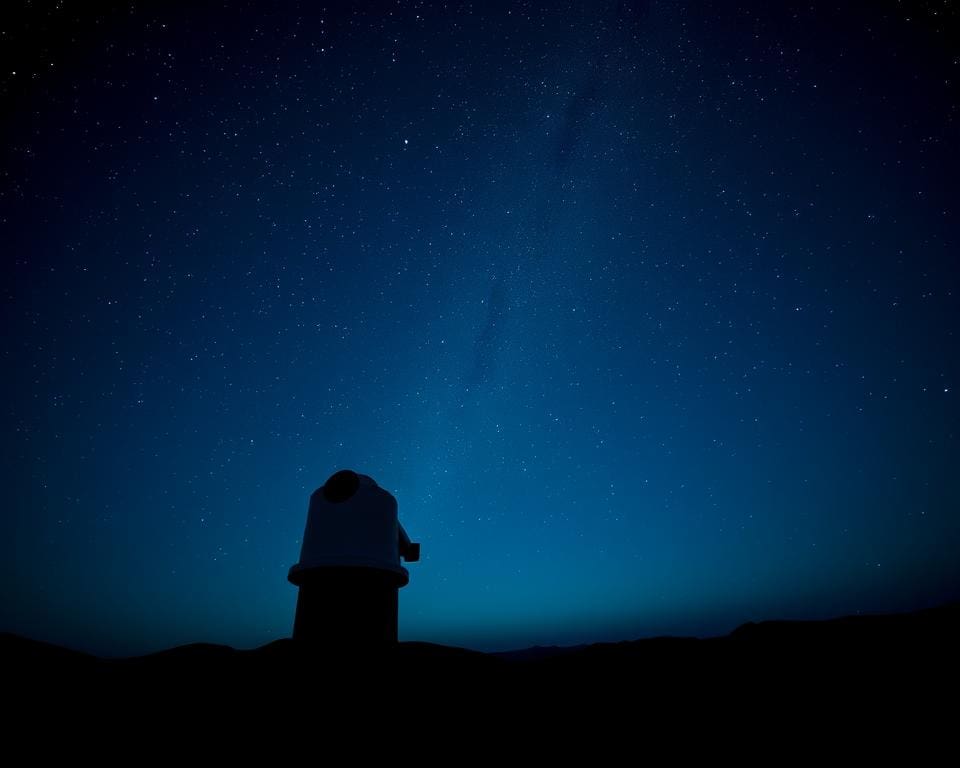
[[352, 521], [349, 569]]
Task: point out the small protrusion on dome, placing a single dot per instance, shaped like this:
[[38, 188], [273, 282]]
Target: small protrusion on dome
[[340, 486]]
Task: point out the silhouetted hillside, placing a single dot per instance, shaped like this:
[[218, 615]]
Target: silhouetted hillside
[[854, 661]]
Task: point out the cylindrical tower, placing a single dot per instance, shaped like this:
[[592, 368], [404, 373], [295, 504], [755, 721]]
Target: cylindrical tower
[[349, 571]]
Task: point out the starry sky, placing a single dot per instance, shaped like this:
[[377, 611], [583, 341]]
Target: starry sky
[[646, 312]]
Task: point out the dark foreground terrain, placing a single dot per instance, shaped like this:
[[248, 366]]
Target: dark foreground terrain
[[873, 672]]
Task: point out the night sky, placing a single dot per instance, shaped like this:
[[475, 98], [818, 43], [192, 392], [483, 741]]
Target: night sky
[[647, 313]]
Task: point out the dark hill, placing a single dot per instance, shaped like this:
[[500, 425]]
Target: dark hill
[[846, 666]]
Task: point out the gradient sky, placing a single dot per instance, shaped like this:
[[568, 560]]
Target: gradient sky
[[646, 313]]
